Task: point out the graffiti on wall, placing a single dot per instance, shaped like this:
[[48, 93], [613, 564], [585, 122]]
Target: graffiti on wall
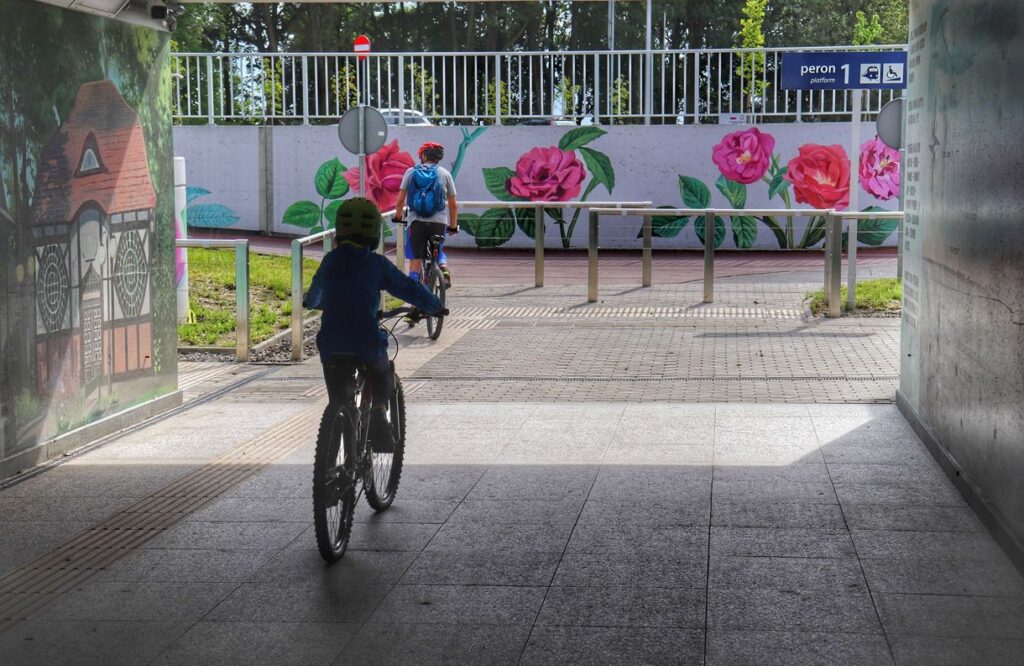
[[86, 323]]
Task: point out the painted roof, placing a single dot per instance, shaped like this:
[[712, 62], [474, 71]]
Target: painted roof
[[123, 185]]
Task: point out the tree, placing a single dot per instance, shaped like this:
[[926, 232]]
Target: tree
[[865, 30], [752, 37]]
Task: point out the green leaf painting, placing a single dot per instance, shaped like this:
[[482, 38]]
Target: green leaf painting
[[331, 213], [491, 229], [744, 231], [525, 221], [698, 226], [600, 167], [213, 216], [193, 193], [580, 137], [735, 192], [777, 230], [875, 231], [665, 226], [495, 179], [695, 193], [305, 214], [329, 181]]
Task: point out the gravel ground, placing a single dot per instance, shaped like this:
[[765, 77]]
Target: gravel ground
[[279, 352]]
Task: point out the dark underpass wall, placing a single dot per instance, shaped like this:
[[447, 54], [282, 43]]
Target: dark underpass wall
[[87, 300], [963, 322]]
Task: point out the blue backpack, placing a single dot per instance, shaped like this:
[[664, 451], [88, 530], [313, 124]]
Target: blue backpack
[[426, 196]]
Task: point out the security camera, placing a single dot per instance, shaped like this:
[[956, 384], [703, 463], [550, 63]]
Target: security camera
[[157, 11]]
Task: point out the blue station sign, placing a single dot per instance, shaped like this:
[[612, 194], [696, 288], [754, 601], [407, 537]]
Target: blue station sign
[[844, 70]]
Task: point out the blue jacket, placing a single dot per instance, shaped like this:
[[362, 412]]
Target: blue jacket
[[347, 288]]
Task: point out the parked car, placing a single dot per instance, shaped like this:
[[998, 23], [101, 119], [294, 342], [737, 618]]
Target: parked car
[[541, 120], [411, 117]]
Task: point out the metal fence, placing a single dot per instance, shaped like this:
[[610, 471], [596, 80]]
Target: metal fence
[[650, 87]]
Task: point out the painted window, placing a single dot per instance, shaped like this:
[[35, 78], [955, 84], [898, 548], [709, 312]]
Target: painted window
[[90, 162]]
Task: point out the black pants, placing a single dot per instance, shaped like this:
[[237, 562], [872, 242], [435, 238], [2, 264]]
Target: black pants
[[379, 374], [419, 232]]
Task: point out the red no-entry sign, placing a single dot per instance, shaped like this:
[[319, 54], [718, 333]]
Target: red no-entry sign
[[361, 46]]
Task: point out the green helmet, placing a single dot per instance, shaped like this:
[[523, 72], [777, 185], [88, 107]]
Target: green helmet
[[358, 221]]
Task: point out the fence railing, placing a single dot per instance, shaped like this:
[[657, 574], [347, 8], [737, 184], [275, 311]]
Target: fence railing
[[833, 247], [659, 86], [243, 340]]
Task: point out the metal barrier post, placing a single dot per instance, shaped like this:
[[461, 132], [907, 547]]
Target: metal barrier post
[[592, 259], [401, 90], [400, 246], [538, 252], [209, 89], [305, 90], [709, 256], [597, 89], [498, 97], [242, 338], [835, 265], [296, 300], [851, 262], [646, 279]]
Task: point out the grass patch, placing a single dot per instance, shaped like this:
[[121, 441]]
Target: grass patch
[[883, 295], [211, 281]]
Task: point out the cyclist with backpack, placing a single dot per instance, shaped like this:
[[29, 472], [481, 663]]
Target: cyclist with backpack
[[429, 191], [347, 288]]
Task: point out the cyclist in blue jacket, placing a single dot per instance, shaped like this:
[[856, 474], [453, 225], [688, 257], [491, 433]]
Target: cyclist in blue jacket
[[347, 288]]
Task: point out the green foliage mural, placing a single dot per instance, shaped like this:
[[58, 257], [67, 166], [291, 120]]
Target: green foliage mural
[[85, 151]]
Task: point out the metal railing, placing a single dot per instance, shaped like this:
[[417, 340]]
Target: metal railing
[[660, 86], [243, 340], [833, 247]]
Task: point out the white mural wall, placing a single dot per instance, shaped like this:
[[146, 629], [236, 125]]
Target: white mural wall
[[779, 166]]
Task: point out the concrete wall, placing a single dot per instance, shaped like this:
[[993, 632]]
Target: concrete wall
[[963, 323], [87, 323], [273, 187]]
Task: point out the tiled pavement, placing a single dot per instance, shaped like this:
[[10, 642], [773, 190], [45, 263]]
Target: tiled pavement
[[592, 529]]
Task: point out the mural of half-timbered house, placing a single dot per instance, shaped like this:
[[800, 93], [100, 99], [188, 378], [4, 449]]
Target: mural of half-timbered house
[[92, 226]]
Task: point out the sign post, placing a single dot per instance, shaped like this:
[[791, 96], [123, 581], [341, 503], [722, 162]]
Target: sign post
[[856, 71], [361, 45]]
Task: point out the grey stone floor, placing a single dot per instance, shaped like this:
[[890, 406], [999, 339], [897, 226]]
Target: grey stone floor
[[599, 530], [541, 533]]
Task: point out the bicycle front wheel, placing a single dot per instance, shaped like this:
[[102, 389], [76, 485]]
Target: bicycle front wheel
[[436, 286], [334, 493], [385, 470]]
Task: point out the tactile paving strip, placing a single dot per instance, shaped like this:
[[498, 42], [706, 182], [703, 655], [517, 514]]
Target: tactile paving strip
[[36, 584], [644, 312]]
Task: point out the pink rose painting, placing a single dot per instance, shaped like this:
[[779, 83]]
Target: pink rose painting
[[547, 174], [543, 173], [744, 157], [879, 169], [820, 176], [384, 171]]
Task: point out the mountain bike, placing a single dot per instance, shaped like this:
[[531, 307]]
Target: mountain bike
[[433, 280], [345, 467]]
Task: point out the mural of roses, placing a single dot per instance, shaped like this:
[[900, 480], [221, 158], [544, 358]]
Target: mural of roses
[[547, 174], [550, 173], [879, 169], [820, 176], [744, 157], [384, 171]]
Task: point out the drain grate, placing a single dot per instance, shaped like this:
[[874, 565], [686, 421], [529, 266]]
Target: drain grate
[[36, 584]]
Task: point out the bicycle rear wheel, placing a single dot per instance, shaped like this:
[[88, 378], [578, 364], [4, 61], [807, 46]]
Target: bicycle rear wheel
[[385, 470], [435, 283], [334, 493]]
